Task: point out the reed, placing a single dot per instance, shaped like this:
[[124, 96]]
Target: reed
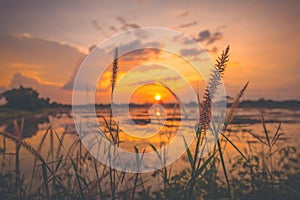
[[205, 116]]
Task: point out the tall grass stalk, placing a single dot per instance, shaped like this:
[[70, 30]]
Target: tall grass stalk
[[114, 77], [205, 110], [18, 129]]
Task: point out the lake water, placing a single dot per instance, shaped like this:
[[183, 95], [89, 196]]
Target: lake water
[[246, 120]]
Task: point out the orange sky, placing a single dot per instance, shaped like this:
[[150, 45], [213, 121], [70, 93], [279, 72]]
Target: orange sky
[[43, 43], [154, 64]]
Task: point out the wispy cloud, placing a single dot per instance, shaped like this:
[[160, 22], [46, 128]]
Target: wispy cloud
[[98, 27], [188, 24], [112, 28], [216, 36], [195, 53], [209, 37], [126, 25], [191, 52], [184, 13], [143, 51]]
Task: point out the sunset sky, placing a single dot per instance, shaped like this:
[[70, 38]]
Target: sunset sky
[[42, 43]]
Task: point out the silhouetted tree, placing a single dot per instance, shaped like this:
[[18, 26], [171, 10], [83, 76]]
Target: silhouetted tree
[[25, 99]]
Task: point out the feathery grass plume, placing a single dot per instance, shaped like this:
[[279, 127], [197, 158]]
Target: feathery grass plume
[[205, 114], [19, 141], [205, 111], [114, 75], [211, 89]]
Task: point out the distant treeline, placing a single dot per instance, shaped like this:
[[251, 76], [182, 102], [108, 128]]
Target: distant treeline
[[262, 103], [29, 99]]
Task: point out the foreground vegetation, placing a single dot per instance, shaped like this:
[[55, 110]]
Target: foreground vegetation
[[73, 174], [63, 171]]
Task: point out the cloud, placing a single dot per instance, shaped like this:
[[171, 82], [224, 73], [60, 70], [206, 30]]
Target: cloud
[[121, 20], [141, 34], [216, 36], [130, 26], [96, 25], [191, 52], [140, 55], [126, 25], [221, 27], [184, 13], [137, 44], [151, 73], [174, 78], [69, 85], [203, 35], [208, 37], [144, 70], [213, 50], [143, 51], [188, 24], [92, 47], [195, 53], [54, 92], [112, 28], [50, 61]]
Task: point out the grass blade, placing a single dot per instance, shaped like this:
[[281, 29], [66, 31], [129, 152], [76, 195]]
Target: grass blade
[[265, 130], [223, 165], [203, 166], [276, 134], [257, 137], [77, 177], [189, 154], [45, 178], [234, 146]]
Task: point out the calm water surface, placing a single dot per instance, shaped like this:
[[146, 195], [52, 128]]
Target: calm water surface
[[246, 120]]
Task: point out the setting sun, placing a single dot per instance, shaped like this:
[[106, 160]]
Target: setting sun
[[157, 97]]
